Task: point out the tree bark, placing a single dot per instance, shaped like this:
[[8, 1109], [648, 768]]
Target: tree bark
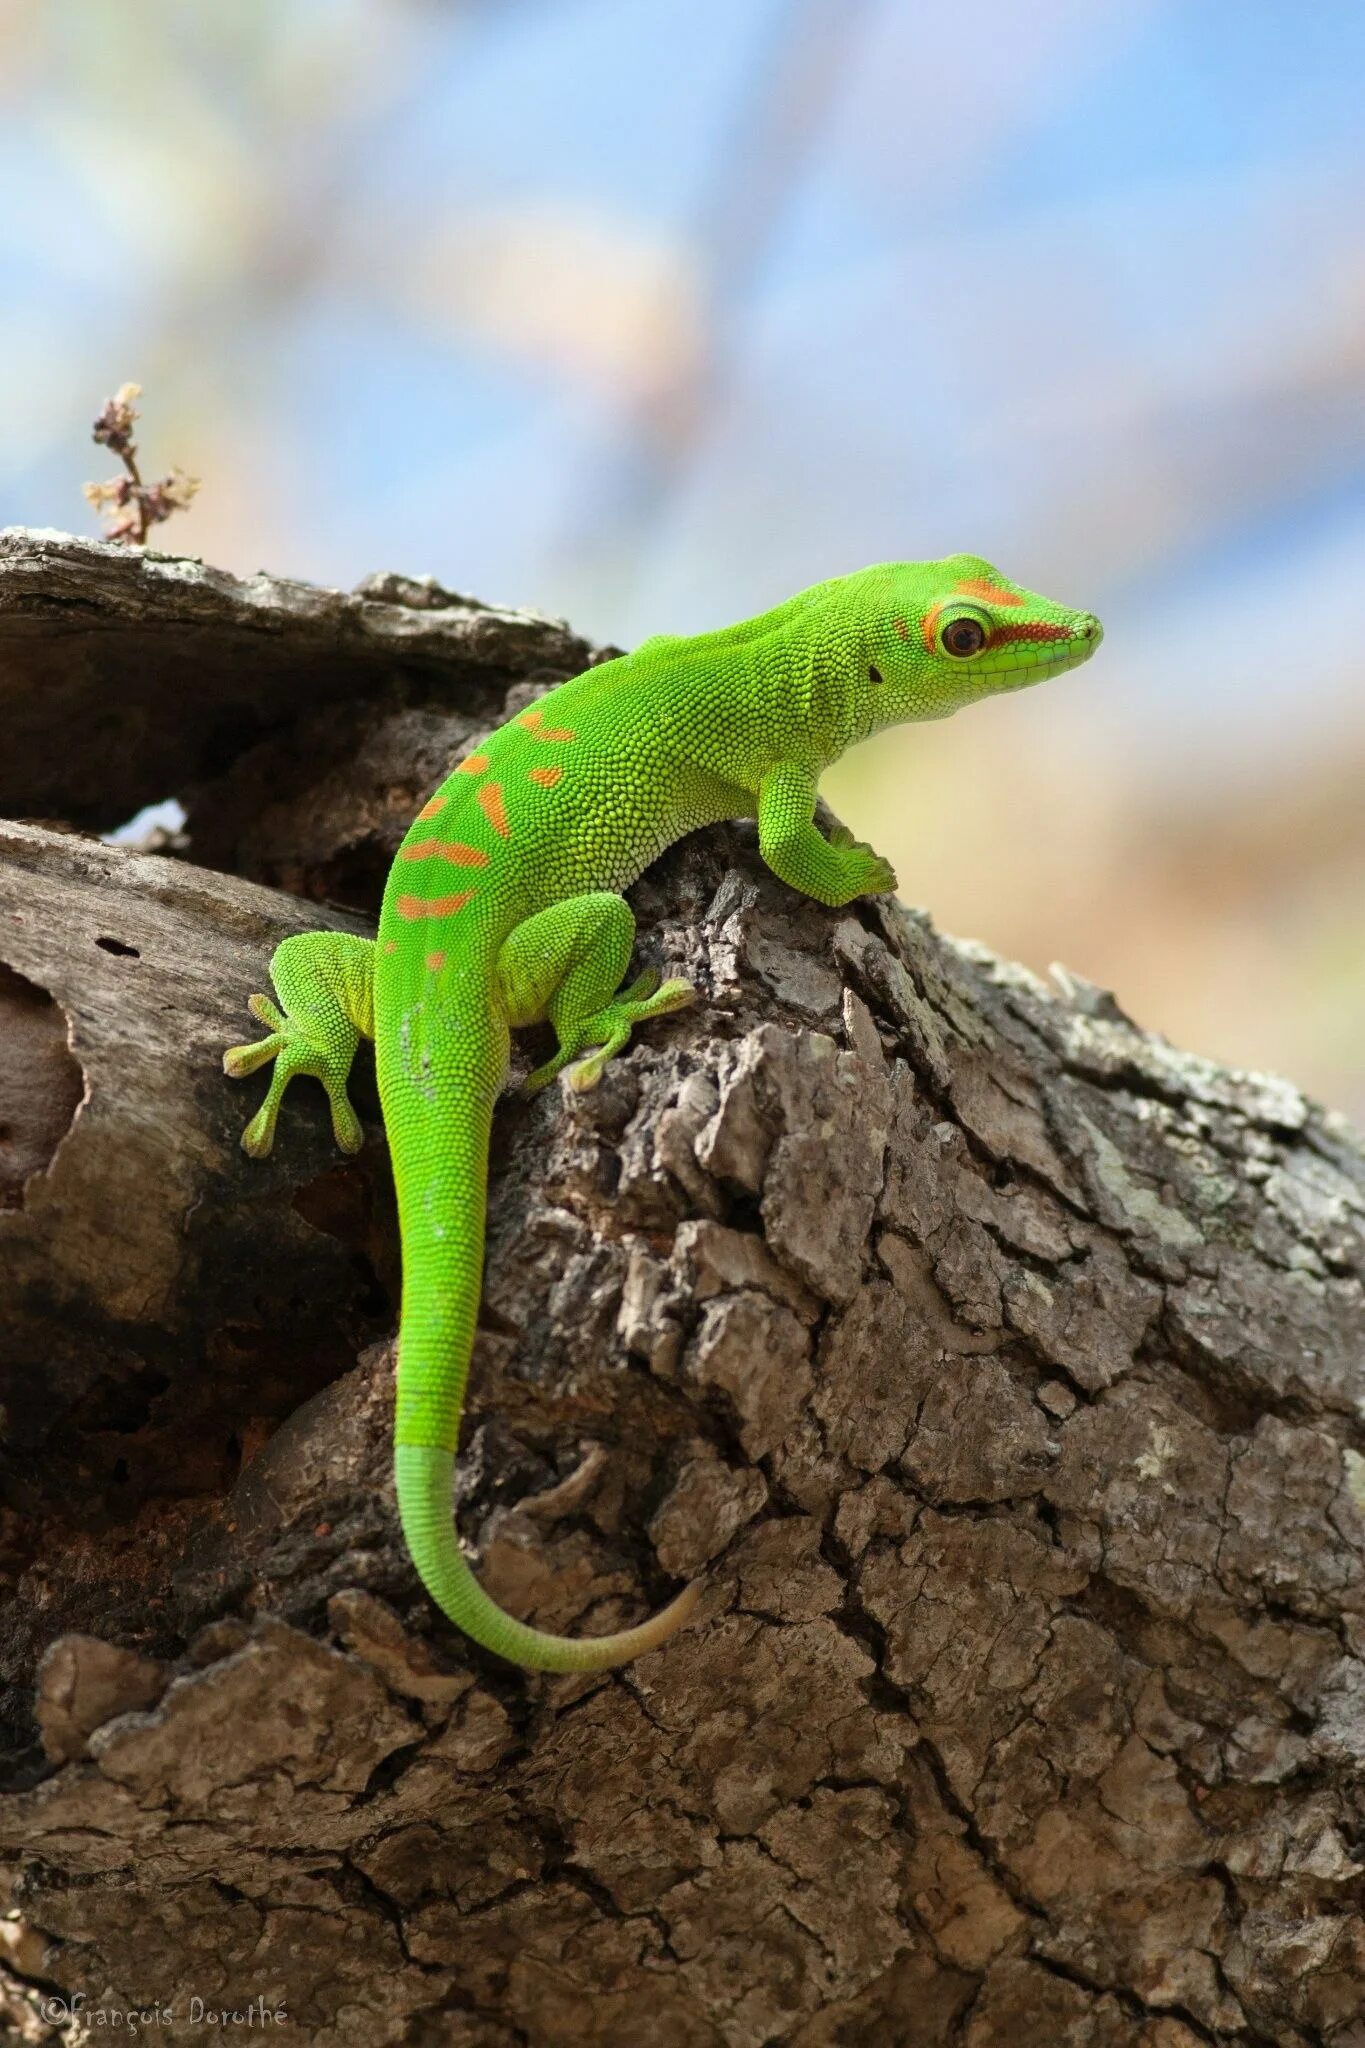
[[998, 1366]]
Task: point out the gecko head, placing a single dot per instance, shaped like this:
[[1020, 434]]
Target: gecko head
[[938, 635]]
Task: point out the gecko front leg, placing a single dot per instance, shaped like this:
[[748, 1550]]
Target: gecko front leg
[[833, 870]]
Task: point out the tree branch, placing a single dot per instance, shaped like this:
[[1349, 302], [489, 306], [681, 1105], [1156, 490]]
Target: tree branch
[[997, 1363]]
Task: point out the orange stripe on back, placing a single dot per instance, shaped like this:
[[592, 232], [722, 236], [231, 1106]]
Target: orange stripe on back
[[534, 721], [432, 806], [489, 801], [453, 850], [977, 586], [435, 962], [415, 907], [475, 765], [546, 777]]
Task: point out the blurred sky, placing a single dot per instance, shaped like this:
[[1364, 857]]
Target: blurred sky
[[651, 312]]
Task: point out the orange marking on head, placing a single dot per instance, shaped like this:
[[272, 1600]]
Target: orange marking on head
[[415, 907], [390, 945], [930, 623], [546, 777], [532, 718], [475, 765], [453, 850], [489, 801], [902, 630], [990, 593], [432, 806], [435, 962]]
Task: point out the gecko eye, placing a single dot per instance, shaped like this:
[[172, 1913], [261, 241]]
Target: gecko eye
[[963, 637], [874, 674]]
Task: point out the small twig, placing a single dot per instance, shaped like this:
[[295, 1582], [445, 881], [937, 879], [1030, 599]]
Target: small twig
[[137, 506]]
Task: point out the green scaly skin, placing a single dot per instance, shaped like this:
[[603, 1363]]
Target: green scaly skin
[[503, 909]]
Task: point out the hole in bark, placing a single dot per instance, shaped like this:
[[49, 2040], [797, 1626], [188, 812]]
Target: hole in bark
[[338, 1203], [389, 1770], [374, 1299], [108, 945], [355, 877], [744, 1212], [41, 1084], [231, 736], [120, 1406]]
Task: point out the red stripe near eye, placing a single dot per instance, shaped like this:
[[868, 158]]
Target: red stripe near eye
[[1005, 636]]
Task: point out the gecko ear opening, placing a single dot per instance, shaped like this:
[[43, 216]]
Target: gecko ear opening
[[874, 674]]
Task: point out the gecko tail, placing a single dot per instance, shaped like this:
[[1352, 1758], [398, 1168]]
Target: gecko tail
[[439, 1141], [425, 1478]]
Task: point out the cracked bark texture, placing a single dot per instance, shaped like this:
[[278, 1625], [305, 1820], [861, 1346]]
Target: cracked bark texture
[[998, 1365]]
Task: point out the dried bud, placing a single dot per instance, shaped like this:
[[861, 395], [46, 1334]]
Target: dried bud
[[114, 427], [139, 506], [171, 494], [180, 489], [116, 491]]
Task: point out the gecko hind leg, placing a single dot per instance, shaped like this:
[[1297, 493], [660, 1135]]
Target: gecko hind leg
[[566, 964], [325, 982]]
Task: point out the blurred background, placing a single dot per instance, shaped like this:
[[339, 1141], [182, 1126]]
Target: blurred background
[[650, 312]]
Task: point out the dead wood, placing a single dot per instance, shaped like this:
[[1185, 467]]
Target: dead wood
[[1000, 1366]]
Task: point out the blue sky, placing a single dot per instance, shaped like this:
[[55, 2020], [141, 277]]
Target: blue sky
[[1081, 286]]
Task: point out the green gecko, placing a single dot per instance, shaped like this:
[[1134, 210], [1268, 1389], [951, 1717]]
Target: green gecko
[[503, 909]]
